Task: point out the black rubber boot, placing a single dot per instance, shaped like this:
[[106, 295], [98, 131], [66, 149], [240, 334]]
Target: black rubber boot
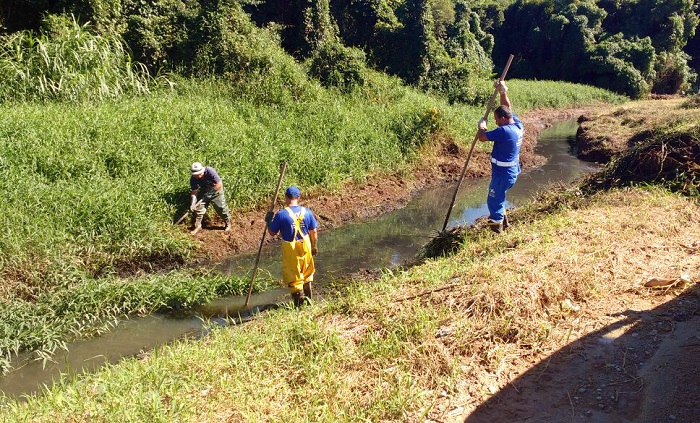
[[307, 290], [496, 227], [299, 299], [505, 221]]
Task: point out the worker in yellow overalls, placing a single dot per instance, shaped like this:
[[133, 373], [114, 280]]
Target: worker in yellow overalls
[[297, 226]]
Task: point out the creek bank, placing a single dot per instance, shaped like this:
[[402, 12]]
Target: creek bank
[[441, 163], [549, 322], [654, 141], [608, 131]]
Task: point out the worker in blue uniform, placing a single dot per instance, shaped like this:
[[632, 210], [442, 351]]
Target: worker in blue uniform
[[507, 138]]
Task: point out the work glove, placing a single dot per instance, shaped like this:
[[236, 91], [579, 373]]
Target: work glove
[[268, 218], [501, 86], [193, 204], [482, 124]]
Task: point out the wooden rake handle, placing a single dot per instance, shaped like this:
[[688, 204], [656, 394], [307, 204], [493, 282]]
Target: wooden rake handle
[[187, 212], [283, 167]]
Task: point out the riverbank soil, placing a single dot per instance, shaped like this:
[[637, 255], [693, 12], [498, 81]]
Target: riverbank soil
[[607, 132], [442, 163]]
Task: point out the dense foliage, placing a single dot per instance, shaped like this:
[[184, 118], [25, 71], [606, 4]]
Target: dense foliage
[[444, 46], [632, 47]]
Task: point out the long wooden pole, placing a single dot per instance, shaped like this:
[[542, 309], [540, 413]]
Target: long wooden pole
[[476, 137], [283, 167]]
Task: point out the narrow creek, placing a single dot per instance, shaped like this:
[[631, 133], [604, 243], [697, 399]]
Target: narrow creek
[[383, 242]]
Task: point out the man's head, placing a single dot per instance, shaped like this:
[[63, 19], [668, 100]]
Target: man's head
[[502, 115], [292, 192], [197, 170]]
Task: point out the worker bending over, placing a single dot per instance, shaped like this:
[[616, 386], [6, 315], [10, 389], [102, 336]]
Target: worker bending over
[[207, 188]]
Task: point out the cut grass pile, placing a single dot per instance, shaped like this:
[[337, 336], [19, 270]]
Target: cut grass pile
[[392, 349], [648, 142], [610, 131]]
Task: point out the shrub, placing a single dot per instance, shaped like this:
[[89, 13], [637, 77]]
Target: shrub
[[247, 56], [338, 66], [673, 75], [622, 65]]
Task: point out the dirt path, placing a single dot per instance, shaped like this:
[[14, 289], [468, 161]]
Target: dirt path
[[637, 364], [383, 193]]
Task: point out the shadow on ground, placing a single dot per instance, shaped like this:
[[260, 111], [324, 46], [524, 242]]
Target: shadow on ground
[[644, 368]]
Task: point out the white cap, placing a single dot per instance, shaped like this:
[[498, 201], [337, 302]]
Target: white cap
[[197, 168]]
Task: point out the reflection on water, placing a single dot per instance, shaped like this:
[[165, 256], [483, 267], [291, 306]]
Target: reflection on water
[[385, 241]]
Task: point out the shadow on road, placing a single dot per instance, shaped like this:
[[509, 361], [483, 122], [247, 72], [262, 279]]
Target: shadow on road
[[644, 368]]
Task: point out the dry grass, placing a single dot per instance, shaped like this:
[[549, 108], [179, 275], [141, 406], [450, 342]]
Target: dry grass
[[608, 131], [514, 306], [430, 343]]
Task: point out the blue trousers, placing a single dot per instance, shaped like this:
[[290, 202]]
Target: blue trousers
[[496, 200]]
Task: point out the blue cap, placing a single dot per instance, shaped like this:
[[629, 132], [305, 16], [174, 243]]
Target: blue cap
[[292, 192]]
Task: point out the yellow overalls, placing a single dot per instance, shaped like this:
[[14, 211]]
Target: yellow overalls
[[297, 261]]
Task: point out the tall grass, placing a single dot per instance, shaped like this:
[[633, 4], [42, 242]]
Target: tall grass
[[67, 62]]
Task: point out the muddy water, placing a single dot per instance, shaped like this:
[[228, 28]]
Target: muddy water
[[387, 241]]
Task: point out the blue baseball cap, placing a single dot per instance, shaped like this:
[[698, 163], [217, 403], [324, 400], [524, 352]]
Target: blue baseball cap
[[292, 192]]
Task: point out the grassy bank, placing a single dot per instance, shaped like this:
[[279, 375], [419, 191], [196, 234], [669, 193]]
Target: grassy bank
[[392, 349], [94, 306], [92, 189]]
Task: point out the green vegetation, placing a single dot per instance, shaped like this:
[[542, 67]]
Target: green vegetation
[[392, 349], [631, 47], [67, 62], [93, 306], [94, 151], [91, 190]]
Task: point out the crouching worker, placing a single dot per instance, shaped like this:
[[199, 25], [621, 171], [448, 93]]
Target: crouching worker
[[207, 188], [297, 226]]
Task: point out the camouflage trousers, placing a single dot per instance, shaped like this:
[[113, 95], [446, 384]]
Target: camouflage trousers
[[216, 199]]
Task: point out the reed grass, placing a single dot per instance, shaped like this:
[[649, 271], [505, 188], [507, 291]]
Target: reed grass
[[68, 62]]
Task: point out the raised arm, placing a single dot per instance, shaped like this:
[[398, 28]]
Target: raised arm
[[503, 91]]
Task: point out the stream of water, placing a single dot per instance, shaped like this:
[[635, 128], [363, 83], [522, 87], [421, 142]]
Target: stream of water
[[383, 242]]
